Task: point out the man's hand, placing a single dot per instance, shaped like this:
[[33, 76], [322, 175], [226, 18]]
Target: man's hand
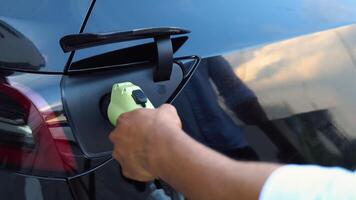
[[150, 143], [137, 136]]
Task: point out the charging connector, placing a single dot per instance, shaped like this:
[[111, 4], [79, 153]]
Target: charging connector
[[126, 97]]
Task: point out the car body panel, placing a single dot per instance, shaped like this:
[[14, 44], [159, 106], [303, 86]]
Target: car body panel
[[16, 186], [306, 84], [100, 185], [39, 25], [217, 28], [303, 87]]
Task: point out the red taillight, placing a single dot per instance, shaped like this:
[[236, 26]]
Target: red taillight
[[27, 141]]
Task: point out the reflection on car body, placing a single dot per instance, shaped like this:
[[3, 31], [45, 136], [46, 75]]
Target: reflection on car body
[[303, 86], [211, 119]]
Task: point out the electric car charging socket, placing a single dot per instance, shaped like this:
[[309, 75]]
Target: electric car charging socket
[[126, 97]]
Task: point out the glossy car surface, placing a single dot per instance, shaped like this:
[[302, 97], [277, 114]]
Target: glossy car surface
[[278, 75]]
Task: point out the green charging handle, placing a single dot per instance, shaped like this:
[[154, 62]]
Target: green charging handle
[[126, 97]]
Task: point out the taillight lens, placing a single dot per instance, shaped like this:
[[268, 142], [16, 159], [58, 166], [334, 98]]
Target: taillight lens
[[13, 122], [27, 141]]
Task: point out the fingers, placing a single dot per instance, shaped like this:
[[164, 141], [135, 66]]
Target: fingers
[[136, 174], [112, 137], [172, 113], [131, 169], [135, 136], [122, 119], [116, 154], [167, 111], [169, 108]]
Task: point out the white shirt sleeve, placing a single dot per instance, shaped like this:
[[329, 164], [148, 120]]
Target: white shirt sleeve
[[307, 182]]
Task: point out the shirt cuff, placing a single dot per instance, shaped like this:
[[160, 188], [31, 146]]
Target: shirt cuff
[[296, 182]]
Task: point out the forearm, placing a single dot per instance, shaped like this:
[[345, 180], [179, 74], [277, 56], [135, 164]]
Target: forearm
[[201, 173]]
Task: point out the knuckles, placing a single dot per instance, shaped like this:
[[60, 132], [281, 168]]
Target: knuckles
[[122, 118], [112, 137], [167, 107]]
